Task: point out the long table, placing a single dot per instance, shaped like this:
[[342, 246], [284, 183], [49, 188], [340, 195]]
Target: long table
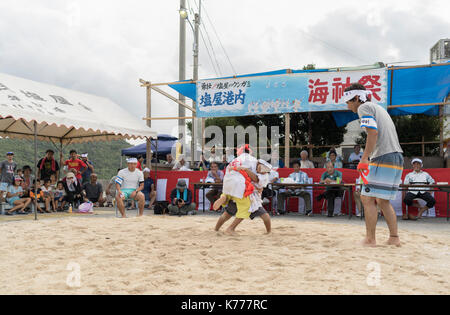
[[343, 186]]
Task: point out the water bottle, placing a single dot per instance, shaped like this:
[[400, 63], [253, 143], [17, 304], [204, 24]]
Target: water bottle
[[70, 208]]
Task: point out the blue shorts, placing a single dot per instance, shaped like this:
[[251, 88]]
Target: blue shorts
[[385, 176], [11, 200]]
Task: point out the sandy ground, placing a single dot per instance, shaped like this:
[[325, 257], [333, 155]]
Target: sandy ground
[[183, 255]]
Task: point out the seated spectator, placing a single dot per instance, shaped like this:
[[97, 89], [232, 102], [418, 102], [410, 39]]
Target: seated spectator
[[47, 196], [28, 180], [20, 173], [149, 189], [214, 176], [333, 158], [304, 162], [181, 200], [93, 192], [268, 192], [15, 199], [74, 191], [169, 161], [39, 195], [53, 181], [213, 157], [7, 170], [299, 177], [355, 157], [331, 176], [111, 190], [203, 164], [182, 164], [58, 194], [47, 165], [419, 177]]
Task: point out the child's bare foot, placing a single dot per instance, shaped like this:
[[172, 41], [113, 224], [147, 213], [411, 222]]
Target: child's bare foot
[[219, 202], [369, 243], [394, 240]]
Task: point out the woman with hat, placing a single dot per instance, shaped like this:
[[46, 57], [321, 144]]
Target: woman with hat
[[14, 197], [73, 189]]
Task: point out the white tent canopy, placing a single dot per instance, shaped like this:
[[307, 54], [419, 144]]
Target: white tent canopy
[[63, 116]]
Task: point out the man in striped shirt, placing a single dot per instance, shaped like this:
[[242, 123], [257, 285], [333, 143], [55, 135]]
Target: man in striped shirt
[[382, 175]]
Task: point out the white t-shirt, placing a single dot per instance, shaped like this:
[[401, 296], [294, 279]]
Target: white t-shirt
[[355, 157], [129, 180]]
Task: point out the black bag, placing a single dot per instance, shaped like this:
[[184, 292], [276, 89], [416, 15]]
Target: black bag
[[161, 207]]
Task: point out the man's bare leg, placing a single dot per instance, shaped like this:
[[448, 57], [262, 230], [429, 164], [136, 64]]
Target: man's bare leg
[[266, 219], [391, 220], [421, 211], [371, 217], [232, 228], [141, 204], [219, 202], [121, 206], [223, 218]]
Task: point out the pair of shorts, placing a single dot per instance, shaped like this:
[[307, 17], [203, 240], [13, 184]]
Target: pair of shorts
[[11, 200], [385, 176], [127, 192], [231, 209]]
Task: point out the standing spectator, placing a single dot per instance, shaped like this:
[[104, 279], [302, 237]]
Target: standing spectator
[[181, 200], [8, 168], [331, 176], [28, 179], [203, 164], [73, 189], [15, 199], [140, 163], [149, 189], [129, 185], [355, 157], [304, 161], [214, 176], [419, 177], [93, 191], [229, 155], [48, 166], [333, 158], [299, 177], [86, 175], [75, 163]]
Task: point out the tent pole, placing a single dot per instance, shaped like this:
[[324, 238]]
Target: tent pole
[[36, 170], [287, 136], [60, 158], [156, 164]]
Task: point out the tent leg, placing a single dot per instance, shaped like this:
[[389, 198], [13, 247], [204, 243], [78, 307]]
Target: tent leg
[[36, 171]]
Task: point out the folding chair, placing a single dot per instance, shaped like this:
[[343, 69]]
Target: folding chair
[[325, 203]]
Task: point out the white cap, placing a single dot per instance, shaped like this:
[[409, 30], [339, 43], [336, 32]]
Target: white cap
[[267, 166], [84, 155], [417, 160], [146, 170], [70, 175], [132, 160]]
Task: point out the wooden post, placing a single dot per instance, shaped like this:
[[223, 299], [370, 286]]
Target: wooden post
[[423, 146], [149, 124], [203, 134], [310, 134], [441, 129], [287, 136]]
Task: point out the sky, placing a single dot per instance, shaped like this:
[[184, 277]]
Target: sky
[[104, 47]]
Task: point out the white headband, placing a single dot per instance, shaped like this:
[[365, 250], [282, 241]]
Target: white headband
[[351, 94], [417, 160], [132, 160]]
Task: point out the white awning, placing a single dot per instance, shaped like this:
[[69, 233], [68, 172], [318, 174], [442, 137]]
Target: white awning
[[63, 115]]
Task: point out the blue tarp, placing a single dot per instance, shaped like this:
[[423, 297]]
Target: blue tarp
[[165, 144], [428, 84]]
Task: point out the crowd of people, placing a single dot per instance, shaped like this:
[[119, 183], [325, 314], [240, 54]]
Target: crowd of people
[[133, 184]]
